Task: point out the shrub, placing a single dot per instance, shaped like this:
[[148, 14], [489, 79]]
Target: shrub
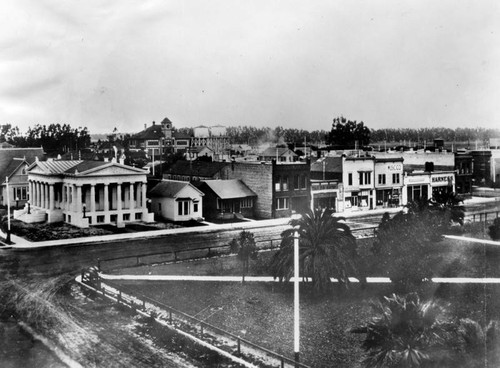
[[494, 230]]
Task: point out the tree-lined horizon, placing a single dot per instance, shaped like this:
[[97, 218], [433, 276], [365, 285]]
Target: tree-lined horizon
[[343, 132]]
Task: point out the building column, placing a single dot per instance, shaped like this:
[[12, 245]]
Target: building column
[[138, 191], [46, 196], [73, 198], [119, 196], [92, 198], [106, 198], [78, 203], [143, 201], [65, 197], [35, 194], [51, 197], [131, 200]]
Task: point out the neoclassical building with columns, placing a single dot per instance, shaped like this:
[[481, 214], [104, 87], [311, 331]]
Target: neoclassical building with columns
[[84, 193]]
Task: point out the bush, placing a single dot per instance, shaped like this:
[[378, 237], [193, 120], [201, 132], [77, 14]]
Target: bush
[[494, 230]]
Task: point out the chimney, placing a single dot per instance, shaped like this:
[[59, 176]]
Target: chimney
[[145, 126]]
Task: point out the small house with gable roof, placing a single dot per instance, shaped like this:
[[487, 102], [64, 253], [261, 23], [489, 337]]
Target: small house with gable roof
[[176, 201]]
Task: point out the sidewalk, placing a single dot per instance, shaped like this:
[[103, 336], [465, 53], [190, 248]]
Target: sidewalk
[[21, 243]]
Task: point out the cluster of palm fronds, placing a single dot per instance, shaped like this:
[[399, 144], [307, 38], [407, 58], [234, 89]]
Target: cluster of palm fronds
[[409, 333]]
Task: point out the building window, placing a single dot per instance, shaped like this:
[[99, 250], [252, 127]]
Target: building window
[[303, 182], [381, 178], [296, 182], [282, 204], [159, 207], [195, 207], [277, 184], [364, 177], [126, 217], [395, 178], [138, 216], [20, 193], [349, 179], [246, 203], [284, 183], [183, 208], [100, 219]]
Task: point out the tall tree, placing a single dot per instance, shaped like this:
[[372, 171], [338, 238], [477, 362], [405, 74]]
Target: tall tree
[[412, 235], [327, 249], [346, 134], [246, 249]]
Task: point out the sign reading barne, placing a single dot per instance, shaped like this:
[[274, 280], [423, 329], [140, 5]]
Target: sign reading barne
[[438, 179]]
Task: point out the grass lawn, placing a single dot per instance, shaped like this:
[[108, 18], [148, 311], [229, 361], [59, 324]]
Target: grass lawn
[[263, 312]]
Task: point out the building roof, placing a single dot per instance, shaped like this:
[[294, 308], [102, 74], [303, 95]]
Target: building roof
[[180, 135], [152, 132], [196, 168], [277, 151], [85, 166], [12, 168], [327, 164], [7, 155], [75, 167], [229, 189], [170, 188], [166, 121]]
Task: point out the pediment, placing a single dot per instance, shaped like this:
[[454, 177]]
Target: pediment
[[113, 170], [36, 170]]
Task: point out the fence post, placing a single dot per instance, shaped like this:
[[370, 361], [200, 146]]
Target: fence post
[[170, 316], [143, 305], [201, 328], [485, 216], [239, 345], [119, 295], [282, 362], [474, 218]]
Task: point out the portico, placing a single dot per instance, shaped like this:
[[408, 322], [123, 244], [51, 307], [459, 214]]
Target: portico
[[84, 193]]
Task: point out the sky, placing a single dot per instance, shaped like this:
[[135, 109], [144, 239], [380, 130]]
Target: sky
[[296, 64]]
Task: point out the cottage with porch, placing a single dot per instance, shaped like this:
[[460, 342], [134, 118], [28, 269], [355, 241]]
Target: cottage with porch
[[227, 199], [83, 193]]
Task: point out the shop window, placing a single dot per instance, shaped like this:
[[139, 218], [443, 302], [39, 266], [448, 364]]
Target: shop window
[[126, 217]]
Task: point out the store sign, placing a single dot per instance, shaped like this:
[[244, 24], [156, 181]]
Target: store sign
[[441, 179], [395, 167]]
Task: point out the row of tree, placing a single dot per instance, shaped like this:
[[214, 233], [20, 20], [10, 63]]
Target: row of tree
[[344, 134], [54, 138]]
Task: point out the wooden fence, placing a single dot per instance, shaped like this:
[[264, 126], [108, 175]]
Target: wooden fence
[[233, 344], [201, 249]]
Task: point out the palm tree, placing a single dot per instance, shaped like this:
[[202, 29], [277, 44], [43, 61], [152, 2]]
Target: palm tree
[[327, 249], [481, 346], [407, 333], [450, 203]]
